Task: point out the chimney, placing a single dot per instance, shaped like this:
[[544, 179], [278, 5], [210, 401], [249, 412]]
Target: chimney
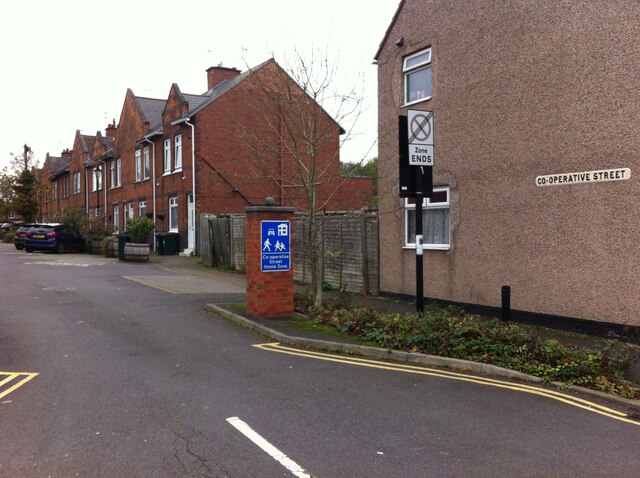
[[110, 130], [217, 74], [66, 154]]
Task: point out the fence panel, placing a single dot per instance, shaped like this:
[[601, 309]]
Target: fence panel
[[349, 246]]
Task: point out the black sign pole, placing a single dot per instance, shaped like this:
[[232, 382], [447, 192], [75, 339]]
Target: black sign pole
[[418, 240]]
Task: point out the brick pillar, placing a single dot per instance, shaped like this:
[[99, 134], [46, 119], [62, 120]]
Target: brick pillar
[[269, 293]]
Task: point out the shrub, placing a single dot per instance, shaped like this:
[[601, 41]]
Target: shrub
[[8, 237], [71, 217], [453, 333], [140, 229]]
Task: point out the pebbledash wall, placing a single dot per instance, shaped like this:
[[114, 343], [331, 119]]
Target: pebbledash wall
[[536, 138]]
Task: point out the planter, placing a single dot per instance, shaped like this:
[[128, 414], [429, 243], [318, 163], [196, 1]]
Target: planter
[[96, 246], [112, 248], [136, 252]]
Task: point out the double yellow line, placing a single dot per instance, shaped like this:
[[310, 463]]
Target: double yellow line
[[561, 397], [10, 377]]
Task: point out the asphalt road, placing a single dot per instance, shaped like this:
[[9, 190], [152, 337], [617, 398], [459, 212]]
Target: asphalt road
[[136, 380]]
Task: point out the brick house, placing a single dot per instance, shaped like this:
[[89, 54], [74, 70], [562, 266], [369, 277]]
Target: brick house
[[536, 112], [147, 167]]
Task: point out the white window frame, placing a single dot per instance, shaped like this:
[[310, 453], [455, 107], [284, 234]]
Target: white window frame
[[173, 204], [145, 162], [116, 217], [408, 70], [142, 208], [426, 206], [167, 156], [100, 179], [132, 210], [125, 214], [138, 165], [178, 151], [112, 167], [76, 182], [118, 172]]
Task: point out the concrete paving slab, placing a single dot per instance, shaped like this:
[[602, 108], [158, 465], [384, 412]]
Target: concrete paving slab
[[186, 284]]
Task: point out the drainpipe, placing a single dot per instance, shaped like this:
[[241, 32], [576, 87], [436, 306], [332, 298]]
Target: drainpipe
[[186, 120], [86, 190], [104, 186], [153, 178], [193, 181]]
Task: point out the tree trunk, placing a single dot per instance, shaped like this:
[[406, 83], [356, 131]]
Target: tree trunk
[[315, 256]]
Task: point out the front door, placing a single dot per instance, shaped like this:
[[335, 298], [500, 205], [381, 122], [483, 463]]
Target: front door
[[191, 222]]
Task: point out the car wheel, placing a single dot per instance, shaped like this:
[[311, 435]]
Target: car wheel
[[19, 247], [28, 249], [59, 248]]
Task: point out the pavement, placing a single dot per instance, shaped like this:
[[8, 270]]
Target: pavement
[[201, 279]]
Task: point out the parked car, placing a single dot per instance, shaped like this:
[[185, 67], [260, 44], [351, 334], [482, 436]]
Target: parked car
[[53, 237], [21, 233]]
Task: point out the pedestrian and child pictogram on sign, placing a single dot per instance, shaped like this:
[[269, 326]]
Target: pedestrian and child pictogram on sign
[[421, 138], [275, 243]]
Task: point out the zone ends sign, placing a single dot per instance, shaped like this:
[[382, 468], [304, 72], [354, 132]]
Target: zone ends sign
[[421, 134]]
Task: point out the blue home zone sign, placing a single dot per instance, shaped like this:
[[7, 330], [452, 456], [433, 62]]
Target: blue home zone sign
[[275, 246]]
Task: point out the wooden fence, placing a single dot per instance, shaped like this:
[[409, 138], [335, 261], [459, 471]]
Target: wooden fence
[[349, 247]]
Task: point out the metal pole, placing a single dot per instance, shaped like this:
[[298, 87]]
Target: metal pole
[[419, 241]]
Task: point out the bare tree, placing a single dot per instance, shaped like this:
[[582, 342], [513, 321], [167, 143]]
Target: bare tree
[[297, 146], [23, 162]]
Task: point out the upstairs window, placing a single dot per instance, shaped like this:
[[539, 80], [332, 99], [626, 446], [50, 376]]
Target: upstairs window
[[76, 183], [178, 157], [112, 167], [417, 77], [138, 165], [167, 155], [118, 172], [145, 157]]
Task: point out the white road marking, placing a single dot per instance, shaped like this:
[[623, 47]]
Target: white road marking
[[276, 454], [67, 264]]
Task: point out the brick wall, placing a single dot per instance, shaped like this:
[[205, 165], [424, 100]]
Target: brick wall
[[269, 294]]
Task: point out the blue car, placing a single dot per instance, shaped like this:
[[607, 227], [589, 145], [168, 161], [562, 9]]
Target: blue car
[[54, 237]]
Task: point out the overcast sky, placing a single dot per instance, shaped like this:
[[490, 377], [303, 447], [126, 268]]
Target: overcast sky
[[66, 64]]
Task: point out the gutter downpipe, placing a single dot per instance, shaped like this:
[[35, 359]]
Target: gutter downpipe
[[193, 182], [104, 187], [86, 189], [186, 120], [153, 178]]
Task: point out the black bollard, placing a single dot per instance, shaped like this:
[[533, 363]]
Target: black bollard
[[506, 303]]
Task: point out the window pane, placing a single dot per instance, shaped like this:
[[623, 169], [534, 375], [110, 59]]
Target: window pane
[[418, 85], [439, 197], [435, 226], [416, 60]]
